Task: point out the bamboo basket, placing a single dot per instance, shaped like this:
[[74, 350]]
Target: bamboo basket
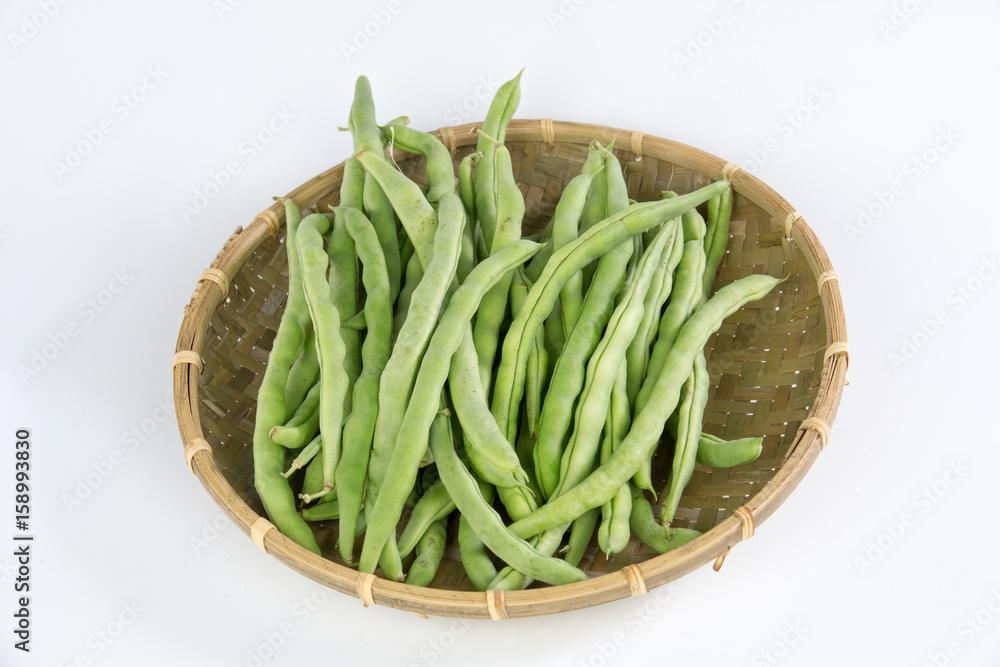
[[778, 367]]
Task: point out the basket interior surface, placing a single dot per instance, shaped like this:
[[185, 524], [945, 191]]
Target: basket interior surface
[[765, 362]]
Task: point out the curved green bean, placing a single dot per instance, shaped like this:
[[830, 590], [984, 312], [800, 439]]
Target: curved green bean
[[489, 527], [650, 532]]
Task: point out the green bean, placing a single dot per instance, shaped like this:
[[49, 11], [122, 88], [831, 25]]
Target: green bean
[[430, 551], [360, 424], [269, 457], [491, 455], [413, 431], [305, 456], [312, 481], [718, 453], [720, 210], [565, 262], [397, 377], [415, 212], [656, 296], [433, 505], [414, 274], [537, 263], [303, 425], [324, 511], [566, 229], [580, 535], [344, 295], [647, 426], [509, 213], [356, 322], [466, 184], [613, 534], [303, 374], [650, 532], [467, 260], [330, 345], [686, 296], [512, 579], [476, 557], [602, 369], [608, 195], [367, 137], [568, 375], [694, 397], [491, 135], [439, 168], [535, 379], [489, 527], [405, 249]]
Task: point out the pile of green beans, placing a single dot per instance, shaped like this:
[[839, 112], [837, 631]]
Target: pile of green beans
[[437, 372]]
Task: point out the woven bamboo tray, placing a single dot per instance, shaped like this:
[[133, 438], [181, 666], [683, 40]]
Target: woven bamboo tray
[[778, 368]]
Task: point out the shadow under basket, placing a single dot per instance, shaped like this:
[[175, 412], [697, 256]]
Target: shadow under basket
[[777, 366]]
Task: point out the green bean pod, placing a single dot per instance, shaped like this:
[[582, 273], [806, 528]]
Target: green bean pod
[[656, 296], [269, 457], [307, 454], [413, 431], [509, 214], [602, 369], [360, 425], [613, 534], [415, 213], [489, 527], [720, 210], [467, 185], [439, 168], [650, 532], [491, 135], [344, 295], [647, 426], [430, 551], [685, 298], [718, 453], [397, 377], [570, 369], [476, 557], [492, 457], [303, 425], [324, 511], [580, 535], [565, 262], [329, 343], [303, 374], [433, 505], [566, 229], [694, 397], [414, 274]]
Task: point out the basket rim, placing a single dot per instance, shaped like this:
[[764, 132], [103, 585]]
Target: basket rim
[[810, 438]]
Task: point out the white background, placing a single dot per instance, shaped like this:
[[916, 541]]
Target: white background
[[835, 562]]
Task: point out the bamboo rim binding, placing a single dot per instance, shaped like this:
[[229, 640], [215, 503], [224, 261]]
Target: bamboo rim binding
[[194, 346]]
